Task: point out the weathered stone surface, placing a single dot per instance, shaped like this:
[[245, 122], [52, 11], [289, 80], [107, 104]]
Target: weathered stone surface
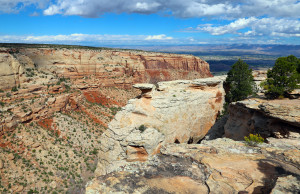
[[269, 118], [10, 156], [179, 111], [287, 185], [17, 188], [144, 86], [218, 166], [161, 174]]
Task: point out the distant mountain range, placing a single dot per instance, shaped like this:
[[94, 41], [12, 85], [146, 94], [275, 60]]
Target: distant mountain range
[[221, 57], [225, 50]]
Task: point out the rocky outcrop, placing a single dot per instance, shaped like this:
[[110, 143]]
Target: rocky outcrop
[[12, 70], [258, 77], [175, 111], [110, 67], [217, 166], [275, 118]]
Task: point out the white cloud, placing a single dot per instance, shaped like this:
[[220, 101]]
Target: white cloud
[[81, 38], [258, 27], [159, 37], [179, 8]]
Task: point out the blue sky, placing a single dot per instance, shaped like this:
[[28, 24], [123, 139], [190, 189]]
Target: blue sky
[[150, 22]]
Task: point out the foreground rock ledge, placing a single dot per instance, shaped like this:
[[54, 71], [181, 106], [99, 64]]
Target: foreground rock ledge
[[218, 166], [176, 111]]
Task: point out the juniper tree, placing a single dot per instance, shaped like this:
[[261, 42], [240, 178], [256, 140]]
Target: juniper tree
[[283, 77], [240, 82]]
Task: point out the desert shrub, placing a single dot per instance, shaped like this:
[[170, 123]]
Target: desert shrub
[[142, 128], [14, 89], [94, 152], [254, 139], [29, 72]]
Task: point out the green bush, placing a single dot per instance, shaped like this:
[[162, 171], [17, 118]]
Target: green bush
[[283, 77], [142, 128], [14, 89], [253, 140]]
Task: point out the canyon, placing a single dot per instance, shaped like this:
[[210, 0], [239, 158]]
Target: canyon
[[78, 120], [57, 102]]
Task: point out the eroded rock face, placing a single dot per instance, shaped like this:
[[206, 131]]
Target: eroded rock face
[[111, 67], [176, 111], [12, 69], [217, 166], [276, 118]]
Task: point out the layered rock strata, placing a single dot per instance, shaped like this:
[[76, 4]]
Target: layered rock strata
[[175, 111], [276, 118], [111, 67]]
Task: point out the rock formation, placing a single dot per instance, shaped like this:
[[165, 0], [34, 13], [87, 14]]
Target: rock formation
[[171, 112], [56, 103], [217, 166], [41, 72], [110, 67], [276, 118], [12, 69]]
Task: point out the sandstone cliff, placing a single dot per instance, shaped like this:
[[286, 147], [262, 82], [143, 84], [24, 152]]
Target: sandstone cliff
[[111, 67], [175, 111]]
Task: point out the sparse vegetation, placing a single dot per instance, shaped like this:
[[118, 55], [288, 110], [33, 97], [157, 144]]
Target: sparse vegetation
[[253, 139], [30, 72]]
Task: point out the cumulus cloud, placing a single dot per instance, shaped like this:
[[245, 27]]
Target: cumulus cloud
[[81, 38], [256, 27], [179, 8]]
